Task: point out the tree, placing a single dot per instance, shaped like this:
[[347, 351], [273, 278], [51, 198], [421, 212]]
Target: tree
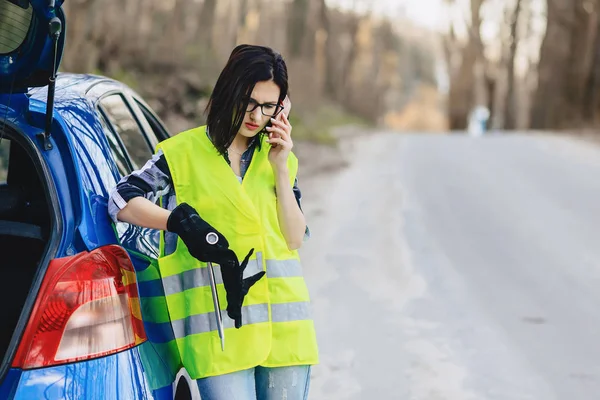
[[206, 22], [467, 86], [510, 107], [568, 64], [297, 21]]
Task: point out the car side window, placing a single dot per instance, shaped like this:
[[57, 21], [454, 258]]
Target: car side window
[[158, 129], [121, 118], [116, 147]]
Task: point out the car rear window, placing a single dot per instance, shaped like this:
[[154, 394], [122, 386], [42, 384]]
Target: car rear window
[[15, 18]]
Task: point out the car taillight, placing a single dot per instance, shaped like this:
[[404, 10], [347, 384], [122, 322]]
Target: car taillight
[[87, 307]]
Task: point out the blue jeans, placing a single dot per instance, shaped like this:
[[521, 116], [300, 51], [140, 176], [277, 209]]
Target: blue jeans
[[260, 383]]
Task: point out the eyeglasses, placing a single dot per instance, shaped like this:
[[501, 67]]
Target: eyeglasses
[[267, 109]]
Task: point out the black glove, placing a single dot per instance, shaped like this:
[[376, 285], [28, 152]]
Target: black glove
[[236, 286], [185, 222]]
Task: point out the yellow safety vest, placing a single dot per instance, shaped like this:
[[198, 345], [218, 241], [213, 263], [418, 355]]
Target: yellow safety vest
[[277, 326]]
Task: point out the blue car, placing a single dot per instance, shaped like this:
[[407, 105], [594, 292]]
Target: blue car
[[82, 314]]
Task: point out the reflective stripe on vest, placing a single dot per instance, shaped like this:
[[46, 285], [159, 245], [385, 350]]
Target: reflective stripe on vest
[[202, 323], [254, 314], [283, 268], [287, 312], [199, 277]]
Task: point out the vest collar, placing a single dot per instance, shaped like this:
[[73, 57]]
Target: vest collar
[[240, 198], [256, 141]]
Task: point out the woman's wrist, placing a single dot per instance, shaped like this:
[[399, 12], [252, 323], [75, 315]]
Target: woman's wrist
[[281, 171]]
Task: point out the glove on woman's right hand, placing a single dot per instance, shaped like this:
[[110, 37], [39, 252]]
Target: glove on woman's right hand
[[237, 286], [187, 224]]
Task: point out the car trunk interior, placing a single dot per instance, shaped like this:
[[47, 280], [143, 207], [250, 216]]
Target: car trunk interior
[[25, 223]]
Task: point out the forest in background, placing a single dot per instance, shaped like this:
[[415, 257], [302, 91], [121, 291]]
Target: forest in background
[[534, 63], [345, 67]]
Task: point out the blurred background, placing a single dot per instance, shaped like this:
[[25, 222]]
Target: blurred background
[[359, 62], [455, 260], [403, 64]]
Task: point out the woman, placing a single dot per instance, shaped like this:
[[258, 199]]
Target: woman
[[235, 178]]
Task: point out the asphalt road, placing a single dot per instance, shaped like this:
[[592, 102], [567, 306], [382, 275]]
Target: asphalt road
[[446, 267]]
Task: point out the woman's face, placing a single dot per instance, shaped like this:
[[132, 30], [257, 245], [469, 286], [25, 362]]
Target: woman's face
[[265, 93]]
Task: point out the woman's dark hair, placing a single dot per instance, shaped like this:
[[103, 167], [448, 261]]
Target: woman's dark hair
[[226, 108]]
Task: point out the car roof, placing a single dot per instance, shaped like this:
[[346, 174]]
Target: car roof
[[69, 85]]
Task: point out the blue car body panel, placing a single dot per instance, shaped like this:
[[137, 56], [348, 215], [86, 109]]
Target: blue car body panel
[[115, 377], [80, 171], [83, 173]]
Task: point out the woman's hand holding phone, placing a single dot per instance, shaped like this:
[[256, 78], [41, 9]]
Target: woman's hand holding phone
[[280, 137], [287, 107]]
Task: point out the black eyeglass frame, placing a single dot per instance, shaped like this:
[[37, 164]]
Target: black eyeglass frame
[[278, 107]]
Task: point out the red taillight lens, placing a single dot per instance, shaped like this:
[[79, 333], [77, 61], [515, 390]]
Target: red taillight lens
[[87, 307]]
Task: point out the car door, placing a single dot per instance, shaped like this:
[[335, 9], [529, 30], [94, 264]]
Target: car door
[[132, 138], [131, 148]]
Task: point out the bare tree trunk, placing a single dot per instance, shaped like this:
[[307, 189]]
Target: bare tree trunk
[[311, 26], [592, 103], [529, 79], [250, 16], [480, 95], [206, 23], [510, 107], [297, 26], [491, 85], [351, 58], [549, 108], [566, 67], [78, 36], [467, 87], [329, 83], [171, 46], [498, 101], [583, 40]]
